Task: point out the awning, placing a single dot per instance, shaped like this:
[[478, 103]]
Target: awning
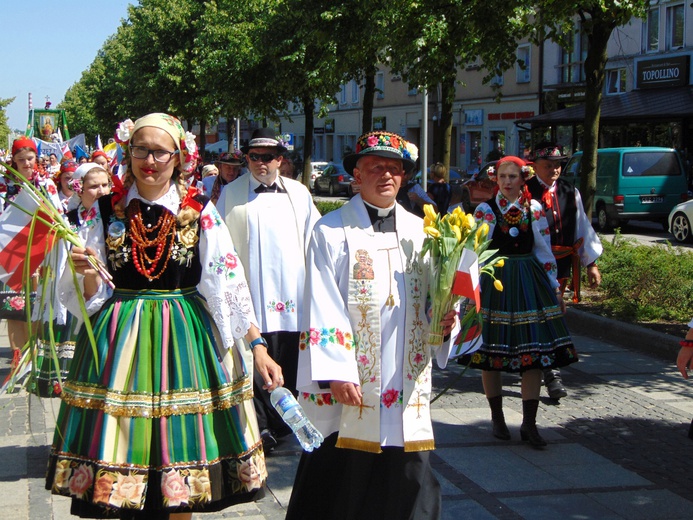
[[669, 104]]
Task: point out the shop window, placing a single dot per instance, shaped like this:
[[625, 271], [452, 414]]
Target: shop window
[[675, 33], [523, 70], [380, 85], [650, 31], [616, 81]]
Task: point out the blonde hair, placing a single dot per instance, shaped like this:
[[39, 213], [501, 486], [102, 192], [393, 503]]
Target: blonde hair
[[438, 170]]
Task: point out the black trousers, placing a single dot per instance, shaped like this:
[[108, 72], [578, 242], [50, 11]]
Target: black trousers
[[283, 347], [342, 484]]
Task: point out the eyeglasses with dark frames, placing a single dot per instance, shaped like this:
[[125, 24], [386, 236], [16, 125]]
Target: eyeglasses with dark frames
[[162, 156]]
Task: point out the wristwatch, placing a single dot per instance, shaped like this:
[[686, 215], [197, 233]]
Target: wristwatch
[[258, 341]]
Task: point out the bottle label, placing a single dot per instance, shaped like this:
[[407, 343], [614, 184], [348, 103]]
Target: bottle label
[[287, 402]]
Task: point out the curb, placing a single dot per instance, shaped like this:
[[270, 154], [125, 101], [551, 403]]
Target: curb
[[626, 335]]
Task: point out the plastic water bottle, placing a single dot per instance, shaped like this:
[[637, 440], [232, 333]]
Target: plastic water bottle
[[285, 403]]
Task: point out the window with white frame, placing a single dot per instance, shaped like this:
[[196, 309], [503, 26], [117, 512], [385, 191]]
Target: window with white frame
[[675, 26], [380, 85], [354, 92], [572, 68], [650, 31], [343, 95], [523, 70], [616, 81], [497, 80]]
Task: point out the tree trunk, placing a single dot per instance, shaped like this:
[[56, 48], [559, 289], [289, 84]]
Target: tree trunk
[[308, 111], [203, 139], [595, 74], [368, 95], [448, 95]]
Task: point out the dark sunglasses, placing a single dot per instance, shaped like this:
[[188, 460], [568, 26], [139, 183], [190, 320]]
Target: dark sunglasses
[[264, 157]]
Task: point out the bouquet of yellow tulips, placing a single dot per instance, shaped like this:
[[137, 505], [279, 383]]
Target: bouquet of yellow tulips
[[446, 238]]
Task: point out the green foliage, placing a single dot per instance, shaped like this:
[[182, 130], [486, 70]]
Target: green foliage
[[4, 127], [646, 283], [325, 206]]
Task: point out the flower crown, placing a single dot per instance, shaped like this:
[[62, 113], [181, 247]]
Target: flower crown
[[527, 171], [188, 147]]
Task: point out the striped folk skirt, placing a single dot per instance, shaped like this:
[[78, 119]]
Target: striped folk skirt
[[523, 326], [157, 418], [53, 361]]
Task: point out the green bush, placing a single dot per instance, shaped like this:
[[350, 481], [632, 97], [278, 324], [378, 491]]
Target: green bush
[[646, 282], [325, 206]]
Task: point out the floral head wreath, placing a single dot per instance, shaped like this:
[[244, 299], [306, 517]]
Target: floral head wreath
[[525, 168], [184, 141]]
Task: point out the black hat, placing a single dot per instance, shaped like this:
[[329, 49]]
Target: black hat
[[548, 150], [264, 138]]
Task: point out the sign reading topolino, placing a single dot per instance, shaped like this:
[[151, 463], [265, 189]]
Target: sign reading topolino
[[663, 72]]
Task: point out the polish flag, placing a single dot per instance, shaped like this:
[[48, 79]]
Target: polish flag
[[15, 228], [66, 152], [466, 282]]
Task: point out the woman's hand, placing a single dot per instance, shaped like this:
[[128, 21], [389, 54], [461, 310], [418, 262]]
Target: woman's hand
[[561, 302]]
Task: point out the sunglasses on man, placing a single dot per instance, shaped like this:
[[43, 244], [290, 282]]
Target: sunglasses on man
[[264, 157]]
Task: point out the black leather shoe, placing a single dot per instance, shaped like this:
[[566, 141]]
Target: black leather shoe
[[501, 431], [531, 435], [268, 440], [556, 389]]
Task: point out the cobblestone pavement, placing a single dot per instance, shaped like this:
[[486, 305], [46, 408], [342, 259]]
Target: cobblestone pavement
[[618, 446]]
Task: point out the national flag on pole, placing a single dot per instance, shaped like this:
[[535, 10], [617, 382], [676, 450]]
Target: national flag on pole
[[466, 282], [99, 146], [17, 244], [66, 151], [79, 152], [467, 341]]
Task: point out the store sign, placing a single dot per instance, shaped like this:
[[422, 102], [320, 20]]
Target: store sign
[[664, 72], [474, 117]]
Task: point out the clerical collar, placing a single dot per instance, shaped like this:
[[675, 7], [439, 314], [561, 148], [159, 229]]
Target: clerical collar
[[258, 187], [382, 219]]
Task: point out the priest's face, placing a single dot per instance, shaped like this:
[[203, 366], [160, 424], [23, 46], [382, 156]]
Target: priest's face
[[380, 179], [264, 164]]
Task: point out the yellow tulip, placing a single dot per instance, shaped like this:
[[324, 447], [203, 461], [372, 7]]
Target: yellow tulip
[[458, 233], [498, 285], [482, 232], [457, 211], [470, 221], [500, 263], [431, 231], [429, 211], [428, 221]]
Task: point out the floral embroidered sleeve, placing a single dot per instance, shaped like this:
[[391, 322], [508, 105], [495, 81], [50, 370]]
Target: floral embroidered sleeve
[[542, 241], [223, 282], [484, 213]]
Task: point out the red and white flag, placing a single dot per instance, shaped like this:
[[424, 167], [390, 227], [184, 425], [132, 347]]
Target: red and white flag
[[466, 282], [15, 231]]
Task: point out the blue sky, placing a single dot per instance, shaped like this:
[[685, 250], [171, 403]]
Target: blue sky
[[47, 46]]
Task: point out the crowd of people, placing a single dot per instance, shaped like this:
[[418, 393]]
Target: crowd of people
[[220, 282]]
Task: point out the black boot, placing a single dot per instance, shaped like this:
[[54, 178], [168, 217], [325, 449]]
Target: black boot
[[554, 384], [528, 430], [690, 431], [500, 429]]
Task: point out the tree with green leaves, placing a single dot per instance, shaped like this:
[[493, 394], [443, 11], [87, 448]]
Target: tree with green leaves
[[5, 129], [597, 19]]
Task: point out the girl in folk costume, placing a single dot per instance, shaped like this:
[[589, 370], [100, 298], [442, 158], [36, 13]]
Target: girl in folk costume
[[63, 181], [12, 303], [157, 417], [523, 326], [87, 183]]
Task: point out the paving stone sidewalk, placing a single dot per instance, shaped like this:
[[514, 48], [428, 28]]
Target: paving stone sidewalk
[[618, 447]]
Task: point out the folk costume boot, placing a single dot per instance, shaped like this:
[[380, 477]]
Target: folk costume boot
[[500, 429], [554, 384], [528, 430]]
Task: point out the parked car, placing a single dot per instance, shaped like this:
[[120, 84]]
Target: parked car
[[457, 175], [479, 188], [354, 188], [333, 180], [639, 183], [680, 220], [316, 170]]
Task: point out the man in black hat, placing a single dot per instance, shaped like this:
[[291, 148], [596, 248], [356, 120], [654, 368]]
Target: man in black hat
[[573, 241], [365, 365], [270, 219]]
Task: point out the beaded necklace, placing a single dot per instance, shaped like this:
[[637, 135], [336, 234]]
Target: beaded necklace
[[163, 238]]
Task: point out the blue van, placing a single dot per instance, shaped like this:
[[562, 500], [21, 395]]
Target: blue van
[[639, 183]]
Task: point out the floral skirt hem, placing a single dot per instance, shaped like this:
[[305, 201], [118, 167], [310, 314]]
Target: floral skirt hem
[[101, 490]]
